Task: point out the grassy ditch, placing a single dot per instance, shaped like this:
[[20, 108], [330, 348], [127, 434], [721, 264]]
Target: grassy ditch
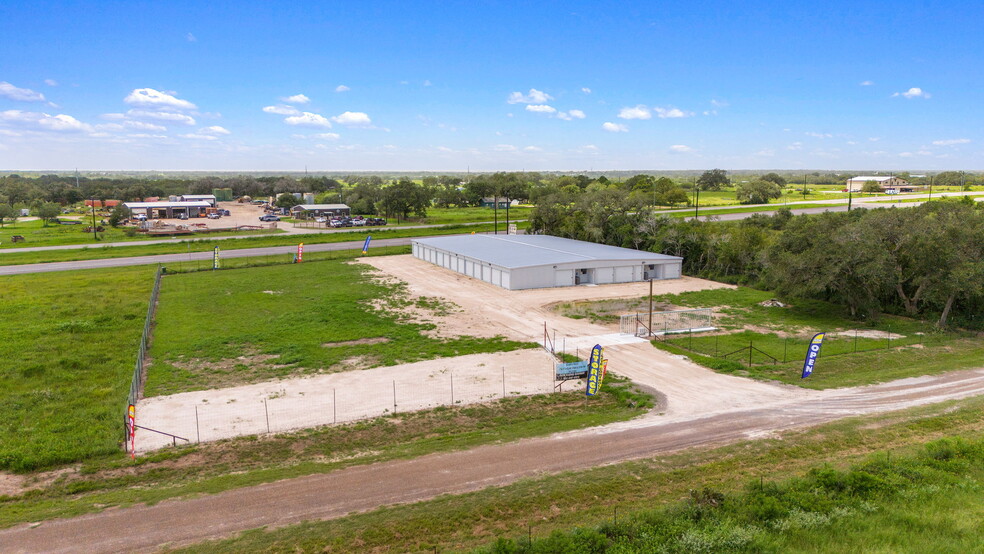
[[225, 328], [97, 252], [69, 345], [769, 342], [629, 492], [213, 467]]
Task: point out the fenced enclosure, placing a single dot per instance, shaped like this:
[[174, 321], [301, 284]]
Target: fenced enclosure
[[280, 406], [136, 383], [663, 323], [754, 349]]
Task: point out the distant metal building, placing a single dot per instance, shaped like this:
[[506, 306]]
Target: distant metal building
[[517, 262], [310, 210]]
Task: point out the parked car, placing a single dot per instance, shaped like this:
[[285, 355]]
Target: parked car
[[269, 217], [183, 216], [140, 217], [213, 216], [226, 213]]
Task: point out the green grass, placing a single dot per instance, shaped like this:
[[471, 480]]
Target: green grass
[[55, 234], [203, 245], [902, 347], [115, 480], [283, 320], [450, 216], [593, 498], [68, 350]]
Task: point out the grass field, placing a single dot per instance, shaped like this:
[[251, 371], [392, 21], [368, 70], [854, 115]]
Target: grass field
[[278, 321], [115, 480], [55, 234], [204, 245], [937, 508], [451, 216], [70, 341]]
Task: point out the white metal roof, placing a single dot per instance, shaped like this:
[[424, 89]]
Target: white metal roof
[[518, 251], [165, 204], [876, 178], [198, 196], [322, 206]]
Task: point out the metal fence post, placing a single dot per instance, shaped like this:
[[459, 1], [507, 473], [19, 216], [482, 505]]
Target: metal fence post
[[198, 433], [267, 411]]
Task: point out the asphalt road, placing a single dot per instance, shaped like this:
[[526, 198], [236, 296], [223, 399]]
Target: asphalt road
[[361, 488], [206, 256]]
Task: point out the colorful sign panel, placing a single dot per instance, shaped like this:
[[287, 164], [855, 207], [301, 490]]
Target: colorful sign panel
[[131, 419], [595, 366], [570, 371], [300, 252], [215, 258], [811, 354], [365, 247]]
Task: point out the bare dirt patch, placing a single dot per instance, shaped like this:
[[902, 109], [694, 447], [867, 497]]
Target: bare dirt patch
[[869, 334], [374, 340]]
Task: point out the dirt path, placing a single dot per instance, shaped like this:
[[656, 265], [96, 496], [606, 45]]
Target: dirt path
[[361, 488]]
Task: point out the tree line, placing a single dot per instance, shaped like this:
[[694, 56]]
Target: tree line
[[926, 261]]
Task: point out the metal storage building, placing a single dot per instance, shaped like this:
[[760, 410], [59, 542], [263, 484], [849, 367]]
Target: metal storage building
[[517, 262]]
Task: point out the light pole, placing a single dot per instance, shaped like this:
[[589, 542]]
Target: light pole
[[931, 177], [697, 199], [92, 202]]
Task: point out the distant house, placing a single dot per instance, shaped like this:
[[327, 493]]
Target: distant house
[[887, 183], [313, 210], [489, 202]]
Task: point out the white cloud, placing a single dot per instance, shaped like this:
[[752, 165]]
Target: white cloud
[[308, 119], [906, 154], [326, 136], [819, 135], [585, 90], [196, 136], [342, 88], [576, 114], [214, 130], [867, 83], [427, 82], [43, 121], [914, 92], [795, 146], [767, 152], [150, 98], [352, 119], [671, 113], [533, 149], [113, 116], [720, 103], [541, 108], [504, 148], [281, 109], [534, 97], [191, 38], [444, 149], [681, 148], [951, 142], [614, 127], [874, 139], [51, 82], [161, 116], [297, 99], [589, 148], [144, 126], [8, 90], [638, 112]]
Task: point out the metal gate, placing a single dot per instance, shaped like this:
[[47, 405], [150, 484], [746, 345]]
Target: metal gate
[[676, 321]]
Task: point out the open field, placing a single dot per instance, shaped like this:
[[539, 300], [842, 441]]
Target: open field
[[630, 491], [8, 257], [226, 328], [68, 352]]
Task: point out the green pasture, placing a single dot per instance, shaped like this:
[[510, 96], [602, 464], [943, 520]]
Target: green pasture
[[69, 345], [287, 320], [902, 481], [451, 216]]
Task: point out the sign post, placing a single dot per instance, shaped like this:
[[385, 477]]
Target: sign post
[[131, 417]]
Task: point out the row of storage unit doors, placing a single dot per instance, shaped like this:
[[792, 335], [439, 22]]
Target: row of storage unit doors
[[466, 266]]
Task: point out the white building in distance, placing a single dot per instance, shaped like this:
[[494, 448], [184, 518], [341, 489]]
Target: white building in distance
[[855, 184]]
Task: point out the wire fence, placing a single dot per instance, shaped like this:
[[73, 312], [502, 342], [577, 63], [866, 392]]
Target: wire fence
[[663, 323], [204, 416], [757, 349], [137, 382]]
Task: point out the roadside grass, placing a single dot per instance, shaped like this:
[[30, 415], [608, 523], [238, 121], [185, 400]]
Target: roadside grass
[[204, 245], [450, 216], [630, 491], [56, 234], [115, 480], [68, 350], [225, 328], [853, 352]]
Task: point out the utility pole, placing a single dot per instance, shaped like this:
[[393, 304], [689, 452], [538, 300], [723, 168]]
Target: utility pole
[[92, 203], [697, 200], [931, 177]]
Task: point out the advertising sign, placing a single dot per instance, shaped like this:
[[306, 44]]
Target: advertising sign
[[811, 354], [572, 370], [594, 370]]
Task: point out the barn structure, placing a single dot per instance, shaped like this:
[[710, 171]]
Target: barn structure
[[517, 262]]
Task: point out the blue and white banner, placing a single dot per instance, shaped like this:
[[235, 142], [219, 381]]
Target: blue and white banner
[[365, 247], [811, 354], [594, 370]]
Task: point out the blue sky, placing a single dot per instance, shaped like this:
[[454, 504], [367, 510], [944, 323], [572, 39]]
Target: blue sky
[[450, 86]]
